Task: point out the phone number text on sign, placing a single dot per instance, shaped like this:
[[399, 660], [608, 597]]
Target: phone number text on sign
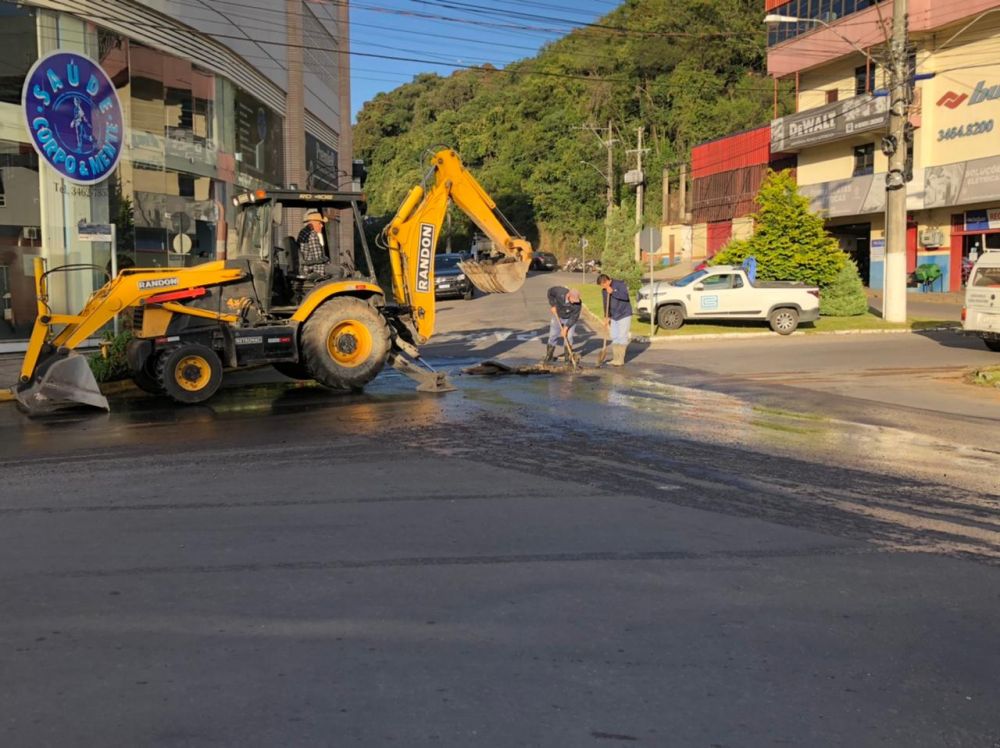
[[964, 131]]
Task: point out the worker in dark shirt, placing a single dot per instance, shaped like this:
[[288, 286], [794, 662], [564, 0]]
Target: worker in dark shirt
[[564, 306], [617, 315]]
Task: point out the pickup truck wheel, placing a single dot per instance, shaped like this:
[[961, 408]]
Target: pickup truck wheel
[[670, 317], [345, 343], [993, 344], [784, 321]]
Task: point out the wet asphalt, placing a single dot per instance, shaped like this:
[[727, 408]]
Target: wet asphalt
[[721, 545]]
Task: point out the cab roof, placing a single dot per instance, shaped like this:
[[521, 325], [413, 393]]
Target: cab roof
[[303, 199]]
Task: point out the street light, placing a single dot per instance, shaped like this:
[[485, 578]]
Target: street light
[[897, 150]]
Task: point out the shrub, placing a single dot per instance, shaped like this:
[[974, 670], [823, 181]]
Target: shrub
[[113, 367], [845, 297], [618, 257]]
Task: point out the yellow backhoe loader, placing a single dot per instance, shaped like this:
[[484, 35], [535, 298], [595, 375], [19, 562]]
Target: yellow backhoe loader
[[259, 307]]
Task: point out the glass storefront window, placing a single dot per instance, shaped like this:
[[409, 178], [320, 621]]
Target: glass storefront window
[[20, 237], [20, 50]]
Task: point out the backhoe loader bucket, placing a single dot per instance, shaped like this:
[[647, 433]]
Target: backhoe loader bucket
[[63, 382], [501, 276]]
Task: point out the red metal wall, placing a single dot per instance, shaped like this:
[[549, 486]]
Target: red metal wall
[[719, 233], [750, 148]]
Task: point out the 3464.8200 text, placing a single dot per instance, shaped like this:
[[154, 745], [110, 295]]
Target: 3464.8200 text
[[962, 131]]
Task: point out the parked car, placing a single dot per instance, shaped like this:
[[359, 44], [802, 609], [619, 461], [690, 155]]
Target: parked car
[[449, 280], [544, 261], [726, 292]]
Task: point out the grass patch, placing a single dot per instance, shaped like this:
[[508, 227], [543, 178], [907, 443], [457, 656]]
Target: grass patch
[[591, 295], [988, 376]]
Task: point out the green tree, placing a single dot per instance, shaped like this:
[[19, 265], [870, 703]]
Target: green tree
[[789, 240], [845, 297], [618, 257]]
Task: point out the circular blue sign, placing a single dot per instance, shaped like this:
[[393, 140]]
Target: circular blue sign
[[74, 116]]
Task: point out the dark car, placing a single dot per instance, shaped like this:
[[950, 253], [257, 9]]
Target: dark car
[[544, 261], [449, 280]]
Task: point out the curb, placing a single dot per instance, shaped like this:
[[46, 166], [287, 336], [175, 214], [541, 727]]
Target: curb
[[769, 334]]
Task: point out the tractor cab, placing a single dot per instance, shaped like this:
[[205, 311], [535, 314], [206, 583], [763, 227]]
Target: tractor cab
[[267, 249]]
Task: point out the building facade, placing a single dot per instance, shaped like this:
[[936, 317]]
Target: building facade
[[834, 53], [726, 175], [202, 100]]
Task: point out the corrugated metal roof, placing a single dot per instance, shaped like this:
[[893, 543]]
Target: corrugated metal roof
[[750, 148]]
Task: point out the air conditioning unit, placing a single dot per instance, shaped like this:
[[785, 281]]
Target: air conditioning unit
[[932, 237], [29, 232]]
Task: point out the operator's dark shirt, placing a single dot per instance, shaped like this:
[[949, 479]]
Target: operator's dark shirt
[[566, 310], [619, 307]]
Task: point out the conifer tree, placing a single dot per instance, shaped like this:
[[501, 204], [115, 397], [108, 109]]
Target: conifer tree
[[618, 257], [789, 240]]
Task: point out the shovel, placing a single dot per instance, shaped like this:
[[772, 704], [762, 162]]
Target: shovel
[[569, 348]]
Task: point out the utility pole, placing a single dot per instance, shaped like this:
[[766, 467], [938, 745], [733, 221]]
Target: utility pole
[[638, 202], [665, 212], [638, 179], [609, 144], [896, 147]]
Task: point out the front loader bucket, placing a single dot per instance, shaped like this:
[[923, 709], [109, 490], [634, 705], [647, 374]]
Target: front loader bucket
[[501, 276], [65, 382]]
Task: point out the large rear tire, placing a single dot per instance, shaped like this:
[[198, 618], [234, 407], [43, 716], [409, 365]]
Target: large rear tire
[[190, 373], [992, 343], [345, 343]]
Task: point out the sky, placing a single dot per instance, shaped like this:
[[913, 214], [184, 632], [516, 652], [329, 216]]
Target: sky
[[436, 36]]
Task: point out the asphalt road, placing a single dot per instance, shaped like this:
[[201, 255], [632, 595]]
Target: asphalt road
[[728, 543]]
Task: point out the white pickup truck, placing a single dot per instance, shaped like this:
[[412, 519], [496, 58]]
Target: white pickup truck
[[981, 313], [725, 292]]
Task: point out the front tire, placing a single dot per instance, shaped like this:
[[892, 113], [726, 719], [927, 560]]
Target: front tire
[[670, 317], [992, 343], [784, 321], [345, 343], [190, 373]]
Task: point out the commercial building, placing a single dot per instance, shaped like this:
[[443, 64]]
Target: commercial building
[[150, 115], [834, 53]]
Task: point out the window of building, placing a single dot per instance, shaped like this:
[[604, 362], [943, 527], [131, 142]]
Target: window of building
[[20, 50], [864, 159], [824, 10], [864, 79], [831, 96]]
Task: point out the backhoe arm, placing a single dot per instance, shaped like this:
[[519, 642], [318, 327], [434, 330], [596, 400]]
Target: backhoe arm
[[413, 233]]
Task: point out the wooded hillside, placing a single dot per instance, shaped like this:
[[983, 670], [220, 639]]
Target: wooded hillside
[[686, 70]]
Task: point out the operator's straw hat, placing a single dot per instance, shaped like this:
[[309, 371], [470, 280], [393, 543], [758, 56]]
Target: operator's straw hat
[[315, 215]]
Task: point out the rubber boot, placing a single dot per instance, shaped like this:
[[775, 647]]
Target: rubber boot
[[572, 359], [617, 355], [550, 354]]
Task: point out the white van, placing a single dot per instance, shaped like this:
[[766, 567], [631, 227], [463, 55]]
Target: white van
[[981, 313]]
